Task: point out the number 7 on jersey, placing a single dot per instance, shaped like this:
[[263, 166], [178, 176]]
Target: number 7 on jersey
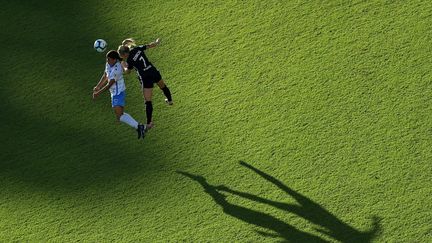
[[142, 58]]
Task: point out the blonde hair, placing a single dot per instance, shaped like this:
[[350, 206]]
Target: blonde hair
[[129, 42], [126, 46]]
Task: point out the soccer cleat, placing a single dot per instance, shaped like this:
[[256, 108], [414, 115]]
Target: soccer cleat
[[141, 131], [148, 126], [169, 102], [144, 130]]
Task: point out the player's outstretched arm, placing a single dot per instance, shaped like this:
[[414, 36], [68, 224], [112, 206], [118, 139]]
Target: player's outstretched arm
[[154, 43]]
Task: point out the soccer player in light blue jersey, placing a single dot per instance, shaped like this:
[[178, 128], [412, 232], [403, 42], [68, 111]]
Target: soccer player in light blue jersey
[[112, 80]]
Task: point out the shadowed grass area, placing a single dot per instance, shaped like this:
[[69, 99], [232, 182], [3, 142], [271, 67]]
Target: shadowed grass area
[[66, 164], [49, 125]]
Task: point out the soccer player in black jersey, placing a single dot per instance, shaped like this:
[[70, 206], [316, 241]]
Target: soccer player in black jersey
[[147, 73]]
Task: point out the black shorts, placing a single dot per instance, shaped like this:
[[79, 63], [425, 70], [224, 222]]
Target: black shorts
[[149, 77]]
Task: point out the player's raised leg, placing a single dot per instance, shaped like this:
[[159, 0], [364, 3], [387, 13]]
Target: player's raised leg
[[129, 120], [166, 92]]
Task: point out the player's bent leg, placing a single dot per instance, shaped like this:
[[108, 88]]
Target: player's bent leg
[[166, 92], [161, 84], [118, 111], [129, 120], [118, 103]]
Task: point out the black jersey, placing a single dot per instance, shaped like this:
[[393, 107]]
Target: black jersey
[[138, 60]]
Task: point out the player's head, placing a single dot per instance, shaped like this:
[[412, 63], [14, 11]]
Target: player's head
[[125, 47], [112, 57]]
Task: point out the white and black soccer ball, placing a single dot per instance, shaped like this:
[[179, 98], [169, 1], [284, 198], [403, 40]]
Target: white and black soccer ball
[[100, 45]]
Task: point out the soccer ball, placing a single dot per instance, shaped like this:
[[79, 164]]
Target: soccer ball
[[100, 45]]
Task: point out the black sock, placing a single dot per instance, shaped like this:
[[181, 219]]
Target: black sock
[[167, 93], [149, 111]]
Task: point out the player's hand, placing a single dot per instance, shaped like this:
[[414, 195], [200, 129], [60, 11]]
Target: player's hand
[[157, 41], [95, 95]]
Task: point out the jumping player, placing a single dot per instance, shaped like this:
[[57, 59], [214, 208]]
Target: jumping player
[[147, 73], [112, 79]]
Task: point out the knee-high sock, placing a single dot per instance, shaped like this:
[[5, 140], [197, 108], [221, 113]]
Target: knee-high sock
[[126, 118], [167, 93], [149, 111]]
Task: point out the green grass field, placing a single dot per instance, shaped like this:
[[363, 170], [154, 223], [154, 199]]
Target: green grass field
[[298, 121]]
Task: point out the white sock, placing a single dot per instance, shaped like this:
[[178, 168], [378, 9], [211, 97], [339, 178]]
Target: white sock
[[126, 118]]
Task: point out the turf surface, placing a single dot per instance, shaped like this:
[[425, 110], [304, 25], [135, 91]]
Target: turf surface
[[293, 121]]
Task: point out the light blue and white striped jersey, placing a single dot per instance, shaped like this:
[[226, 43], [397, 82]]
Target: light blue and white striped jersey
[[115, 72]]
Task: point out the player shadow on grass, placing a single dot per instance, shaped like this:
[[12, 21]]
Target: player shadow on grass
[[328, 223], [281, 229]]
